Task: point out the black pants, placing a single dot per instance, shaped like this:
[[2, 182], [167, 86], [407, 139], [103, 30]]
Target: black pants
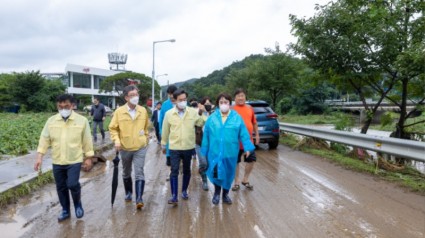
[[158, 135], [176, 156], [67, 180], [102, 131]]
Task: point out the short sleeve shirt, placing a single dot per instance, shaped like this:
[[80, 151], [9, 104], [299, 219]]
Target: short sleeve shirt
[[248, 116]]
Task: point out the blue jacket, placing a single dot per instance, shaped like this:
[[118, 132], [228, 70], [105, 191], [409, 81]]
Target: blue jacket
[[167, 105], [220, 144]]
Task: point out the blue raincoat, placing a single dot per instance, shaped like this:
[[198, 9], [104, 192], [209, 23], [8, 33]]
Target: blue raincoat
[[167, 105], [220, 144]]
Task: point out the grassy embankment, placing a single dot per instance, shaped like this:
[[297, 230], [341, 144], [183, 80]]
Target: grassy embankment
[[19, 133], [407, 177]]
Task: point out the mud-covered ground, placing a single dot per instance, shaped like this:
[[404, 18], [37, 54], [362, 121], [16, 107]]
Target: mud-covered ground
[[295, 195]]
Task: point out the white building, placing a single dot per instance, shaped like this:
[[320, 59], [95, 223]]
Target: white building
[[85, 81]]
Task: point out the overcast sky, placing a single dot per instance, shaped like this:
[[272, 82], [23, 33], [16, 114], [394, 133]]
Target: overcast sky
[[45, 35]]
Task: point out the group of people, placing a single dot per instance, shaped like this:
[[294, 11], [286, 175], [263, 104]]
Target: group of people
[[219, 136]]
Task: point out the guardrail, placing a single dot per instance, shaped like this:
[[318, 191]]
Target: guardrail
[[404, 148]]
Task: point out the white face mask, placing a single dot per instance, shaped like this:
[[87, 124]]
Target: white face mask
[[182, 105], [65, 112], [134, 100], [224, 108]]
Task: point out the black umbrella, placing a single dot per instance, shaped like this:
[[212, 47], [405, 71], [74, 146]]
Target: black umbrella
[[116, 161]]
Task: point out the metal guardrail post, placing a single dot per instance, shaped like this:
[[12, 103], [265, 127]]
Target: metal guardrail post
[[404, 148]]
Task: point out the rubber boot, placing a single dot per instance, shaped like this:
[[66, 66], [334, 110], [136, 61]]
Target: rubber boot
[[185, 184], [226, 198], [174, 183], [64, 215], [204, 182], [63, 195], [128, 186], [140, 187], [76, 197], [216, 197]]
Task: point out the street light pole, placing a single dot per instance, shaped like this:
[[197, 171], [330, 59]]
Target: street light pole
[[160, 91], [153, 67]]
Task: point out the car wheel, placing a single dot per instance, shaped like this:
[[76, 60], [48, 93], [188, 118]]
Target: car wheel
[[273, 145]]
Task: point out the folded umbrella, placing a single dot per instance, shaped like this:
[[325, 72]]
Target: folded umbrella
[[116, 161]]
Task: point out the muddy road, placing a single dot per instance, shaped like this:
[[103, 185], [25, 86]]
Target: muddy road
[[295, 195]]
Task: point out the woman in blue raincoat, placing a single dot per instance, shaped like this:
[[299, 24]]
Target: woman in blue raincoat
[[220, 144]]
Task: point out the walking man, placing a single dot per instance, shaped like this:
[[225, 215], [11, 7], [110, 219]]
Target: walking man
[[248, 116], [128, 129], [98, 113], [178, 130], [68, 134], [155, 121]]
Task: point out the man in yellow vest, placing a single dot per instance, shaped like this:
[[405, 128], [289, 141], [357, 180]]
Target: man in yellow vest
[[129, 130], [178, 129], [68, 134]]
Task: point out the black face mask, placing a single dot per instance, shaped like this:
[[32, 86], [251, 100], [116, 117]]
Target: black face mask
[[208, 108], [194, 104]]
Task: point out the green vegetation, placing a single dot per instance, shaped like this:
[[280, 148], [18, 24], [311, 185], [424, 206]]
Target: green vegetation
[[31, 91], [19, 133], [117, 82], [407, 177], [329, 118], [12, 195], [391, 124], [377, 51], [279, 78]]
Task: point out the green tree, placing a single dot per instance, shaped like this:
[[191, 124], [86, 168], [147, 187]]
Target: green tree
[[276, 75], [45, 99], [5, 96], [24, 88], [117, 82], [368, 45], [311, 96], [241, 78], [35, 93], [217, 81]]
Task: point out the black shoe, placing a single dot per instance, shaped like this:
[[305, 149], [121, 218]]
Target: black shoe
[[64, 215], [226, 198], [216, 199]]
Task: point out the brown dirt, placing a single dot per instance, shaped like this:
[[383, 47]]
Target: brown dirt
[[295, 195]]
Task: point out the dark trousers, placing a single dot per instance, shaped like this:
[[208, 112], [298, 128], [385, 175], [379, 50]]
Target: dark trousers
[[102, 131], [175, 157], [158, 135], [67, 179]]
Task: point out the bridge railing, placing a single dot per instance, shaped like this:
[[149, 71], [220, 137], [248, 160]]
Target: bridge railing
[[403, 148]]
